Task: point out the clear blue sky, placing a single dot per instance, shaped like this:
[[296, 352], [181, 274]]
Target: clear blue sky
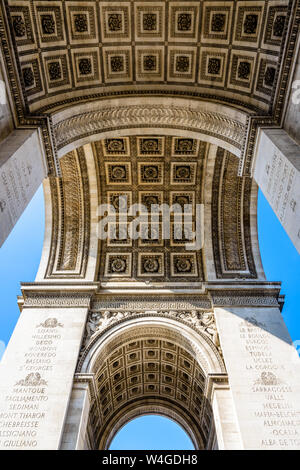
[[19, 261]]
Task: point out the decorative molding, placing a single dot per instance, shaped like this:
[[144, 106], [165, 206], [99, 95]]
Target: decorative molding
[[152, 304], [230, 218], [87, 379], [38, 300], [236, 298], [214, 124], [70, 218]]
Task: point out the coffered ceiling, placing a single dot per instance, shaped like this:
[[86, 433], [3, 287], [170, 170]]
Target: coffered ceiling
[[77, 50], [147, 249], [150, 170]]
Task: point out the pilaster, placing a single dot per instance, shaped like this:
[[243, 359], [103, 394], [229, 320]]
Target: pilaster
[[38, 367]]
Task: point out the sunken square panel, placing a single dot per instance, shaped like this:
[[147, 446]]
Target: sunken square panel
[[152, 377], [169, 357], [150, 264], [117, 64], [57, 71], [133, 356], [116, 147], [216, 22], [248, 23], [182, 387], [183, 264], [119, 388], [150, 173], [147, 199], [50, 21], [181, 63], [150, 21], [183, 173], [86, 66], [134, 369], [151, 366], [135, 391], [151, 388], [185, 363], [135, 380], [132, 346], [116, 363], [183, 21], [150, 234], [150, 146], [117, 234], [82, 25], [266, 76], [275, 24], [167, 380], [30, 72], [212, 69], [115, 21], [185, 199], [182, 146], [168, 369], [182, 233], [21, 20], [118, 173], [149, 63], [120, 201], [167, 391], [118, 265], [241, 70], [151, 354]]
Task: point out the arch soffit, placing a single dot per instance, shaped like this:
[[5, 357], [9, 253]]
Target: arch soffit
[[215, 123]]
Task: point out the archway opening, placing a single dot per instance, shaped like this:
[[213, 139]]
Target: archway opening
[[151, 432]]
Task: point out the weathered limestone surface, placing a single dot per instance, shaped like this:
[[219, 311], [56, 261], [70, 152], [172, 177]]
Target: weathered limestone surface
[[22, 170], [74, 436], [277, 172], [228, 435], [36, 376], [264, 376]]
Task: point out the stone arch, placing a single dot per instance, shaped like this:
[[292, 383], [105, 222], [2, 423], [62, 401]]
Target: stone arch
[[84, 264], [150, 364]]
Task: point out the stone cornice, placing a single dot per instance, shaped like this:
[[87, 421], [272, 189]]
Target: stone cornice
[[56, 300], [57, 294]]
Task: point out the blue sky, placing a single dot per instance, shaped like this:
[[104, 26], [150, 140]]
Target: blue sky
[[19, 261], [156, 431]]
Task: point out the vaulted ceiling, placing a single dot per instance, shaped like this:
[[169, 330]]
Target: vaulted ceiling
[[156, 372], [147, 170], [226, 51]]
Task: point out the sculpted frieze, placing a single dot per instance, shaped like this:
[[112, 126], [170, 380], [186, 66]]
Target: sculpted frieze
[[200, 320]]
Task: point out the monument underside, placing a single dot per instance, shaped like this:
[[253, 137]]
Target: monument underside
[[134, 106]]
